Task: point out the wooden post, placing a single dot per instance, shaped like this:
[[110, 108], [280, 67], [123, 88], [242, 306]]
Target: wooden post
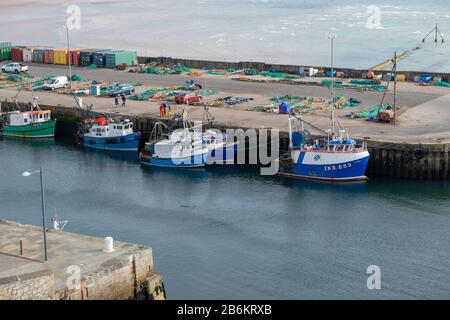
[[21, 247]]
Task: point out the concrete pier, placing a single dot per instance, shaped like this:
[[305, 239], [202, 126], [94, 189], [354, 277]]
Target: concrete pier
[[77, 268], [415, 148]]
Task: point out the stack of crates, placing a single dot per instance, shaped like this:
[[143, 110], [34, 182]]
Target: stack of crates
[[116, 58]]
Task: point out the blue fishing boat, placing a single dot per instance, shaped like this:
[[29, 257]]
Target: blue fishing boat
[[107, 134], [336, 158]]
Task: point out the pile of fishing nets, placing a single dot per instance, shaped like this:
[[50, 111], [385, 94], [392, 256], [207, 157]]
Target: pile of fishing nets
[[356, 85], [369, 113]]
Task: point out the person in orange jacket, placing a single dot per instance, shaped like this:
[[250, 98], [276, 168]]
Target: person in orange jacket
[[161, 111]]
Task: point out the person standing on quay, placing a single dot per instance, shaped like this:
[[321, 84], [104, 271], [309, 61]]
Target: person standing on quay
[[124, 100], [116, 101], [161, 111]]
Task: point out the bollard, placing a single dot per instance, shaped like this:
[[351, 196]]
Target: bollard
[[109, 245], [21, 247]]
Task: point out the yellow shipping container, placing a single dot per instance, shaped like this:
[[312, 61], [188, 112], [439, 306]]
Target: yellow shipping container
[[60, 56]]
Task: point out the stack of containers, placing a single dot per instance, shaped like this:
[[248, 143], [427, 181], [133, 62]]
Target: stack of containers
[[116, 58], [86, 57], [5, 51], [48, 56], [60, 56], [98, 58], [38, 55], [17, 54]]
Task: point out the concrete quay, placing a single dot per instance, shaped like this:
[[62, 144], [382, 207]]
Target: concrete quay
[[77, 268], [417, 147]]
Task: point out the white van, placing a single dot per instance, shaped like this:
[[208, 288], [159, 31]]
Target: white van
[[56, 83]]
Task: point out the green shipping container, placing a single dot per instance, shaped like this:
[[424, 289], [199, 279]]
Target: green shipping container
[[116, 58], [5, 54]]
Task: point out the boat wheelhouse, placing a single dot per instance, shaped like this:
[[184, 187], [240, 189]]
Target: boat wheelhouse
[[36, 123]]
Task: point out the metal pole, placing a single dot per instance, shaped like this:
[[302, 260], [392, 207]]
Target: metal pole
[[69, 58], [44, 228], [332, 84], [395, 87]]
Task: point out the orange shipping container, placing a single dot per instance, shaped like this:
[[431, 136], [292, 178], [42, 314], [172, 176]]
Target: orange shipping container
[[60, 56]]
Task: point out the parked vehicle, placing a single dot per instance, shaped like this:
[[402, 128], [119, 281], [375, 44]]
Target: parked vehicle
[[188, 98], [121, 90], [14, 67], [56, 83]]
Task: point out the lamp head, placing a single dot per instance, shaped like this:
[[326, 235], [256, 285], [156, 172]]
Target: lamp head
[[26, 174]]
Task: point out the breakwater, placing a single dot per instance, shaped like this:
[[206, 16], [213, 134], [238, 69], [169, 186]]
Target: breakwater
[[396, 160], [285, 68]]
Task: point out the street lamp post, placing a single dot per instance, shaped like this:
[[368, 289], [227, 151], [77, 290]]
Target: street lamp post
[[44, 228]]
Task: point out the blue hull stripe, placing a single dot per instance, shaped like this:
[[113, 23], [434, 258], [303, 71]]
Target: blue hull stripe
[[194, 162], [124, 143]]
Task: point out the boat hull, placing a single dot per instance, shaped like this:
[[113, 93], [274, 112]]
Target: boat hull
[[129, 143], [33, 131], [223, 154], [327, 166], [192, 161]]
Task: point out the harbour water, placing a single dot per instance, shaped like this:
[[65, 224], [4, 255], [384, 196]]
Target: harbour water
[[274, 31], [230, 233]]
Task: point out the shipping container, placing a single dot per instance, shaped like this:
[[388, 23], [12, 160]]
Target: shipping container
[[27, 54], [98, 58], [75, 57], [5, 45], [48, 56], [86, 57], [60, 56], [17, 54], [116, 58], [5, 53], [38, 55]]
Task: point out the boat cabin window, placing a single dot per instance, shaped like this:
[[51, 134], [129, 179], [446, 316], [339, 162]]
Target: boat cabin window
[[119, 127], [25, 120]]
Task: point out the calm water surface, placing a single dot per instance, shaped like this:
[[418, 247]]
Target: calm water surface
[[231, 233]]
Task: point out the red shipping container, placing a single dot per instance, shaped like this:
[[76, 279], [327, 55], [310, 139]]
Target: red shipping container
[[75, 58], [17, 54], [48, 56]]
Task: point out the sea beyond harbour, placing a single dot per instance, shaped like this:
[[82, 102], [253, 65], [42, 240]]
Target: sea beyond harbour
[[273, 31], [230, 233]]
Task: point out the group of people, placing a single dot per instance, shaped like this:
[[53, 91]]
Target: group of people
[[124, 100], [164, 110]]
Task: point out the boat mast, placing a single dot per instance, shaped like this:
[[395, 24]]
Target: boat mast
[[333, 126]]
